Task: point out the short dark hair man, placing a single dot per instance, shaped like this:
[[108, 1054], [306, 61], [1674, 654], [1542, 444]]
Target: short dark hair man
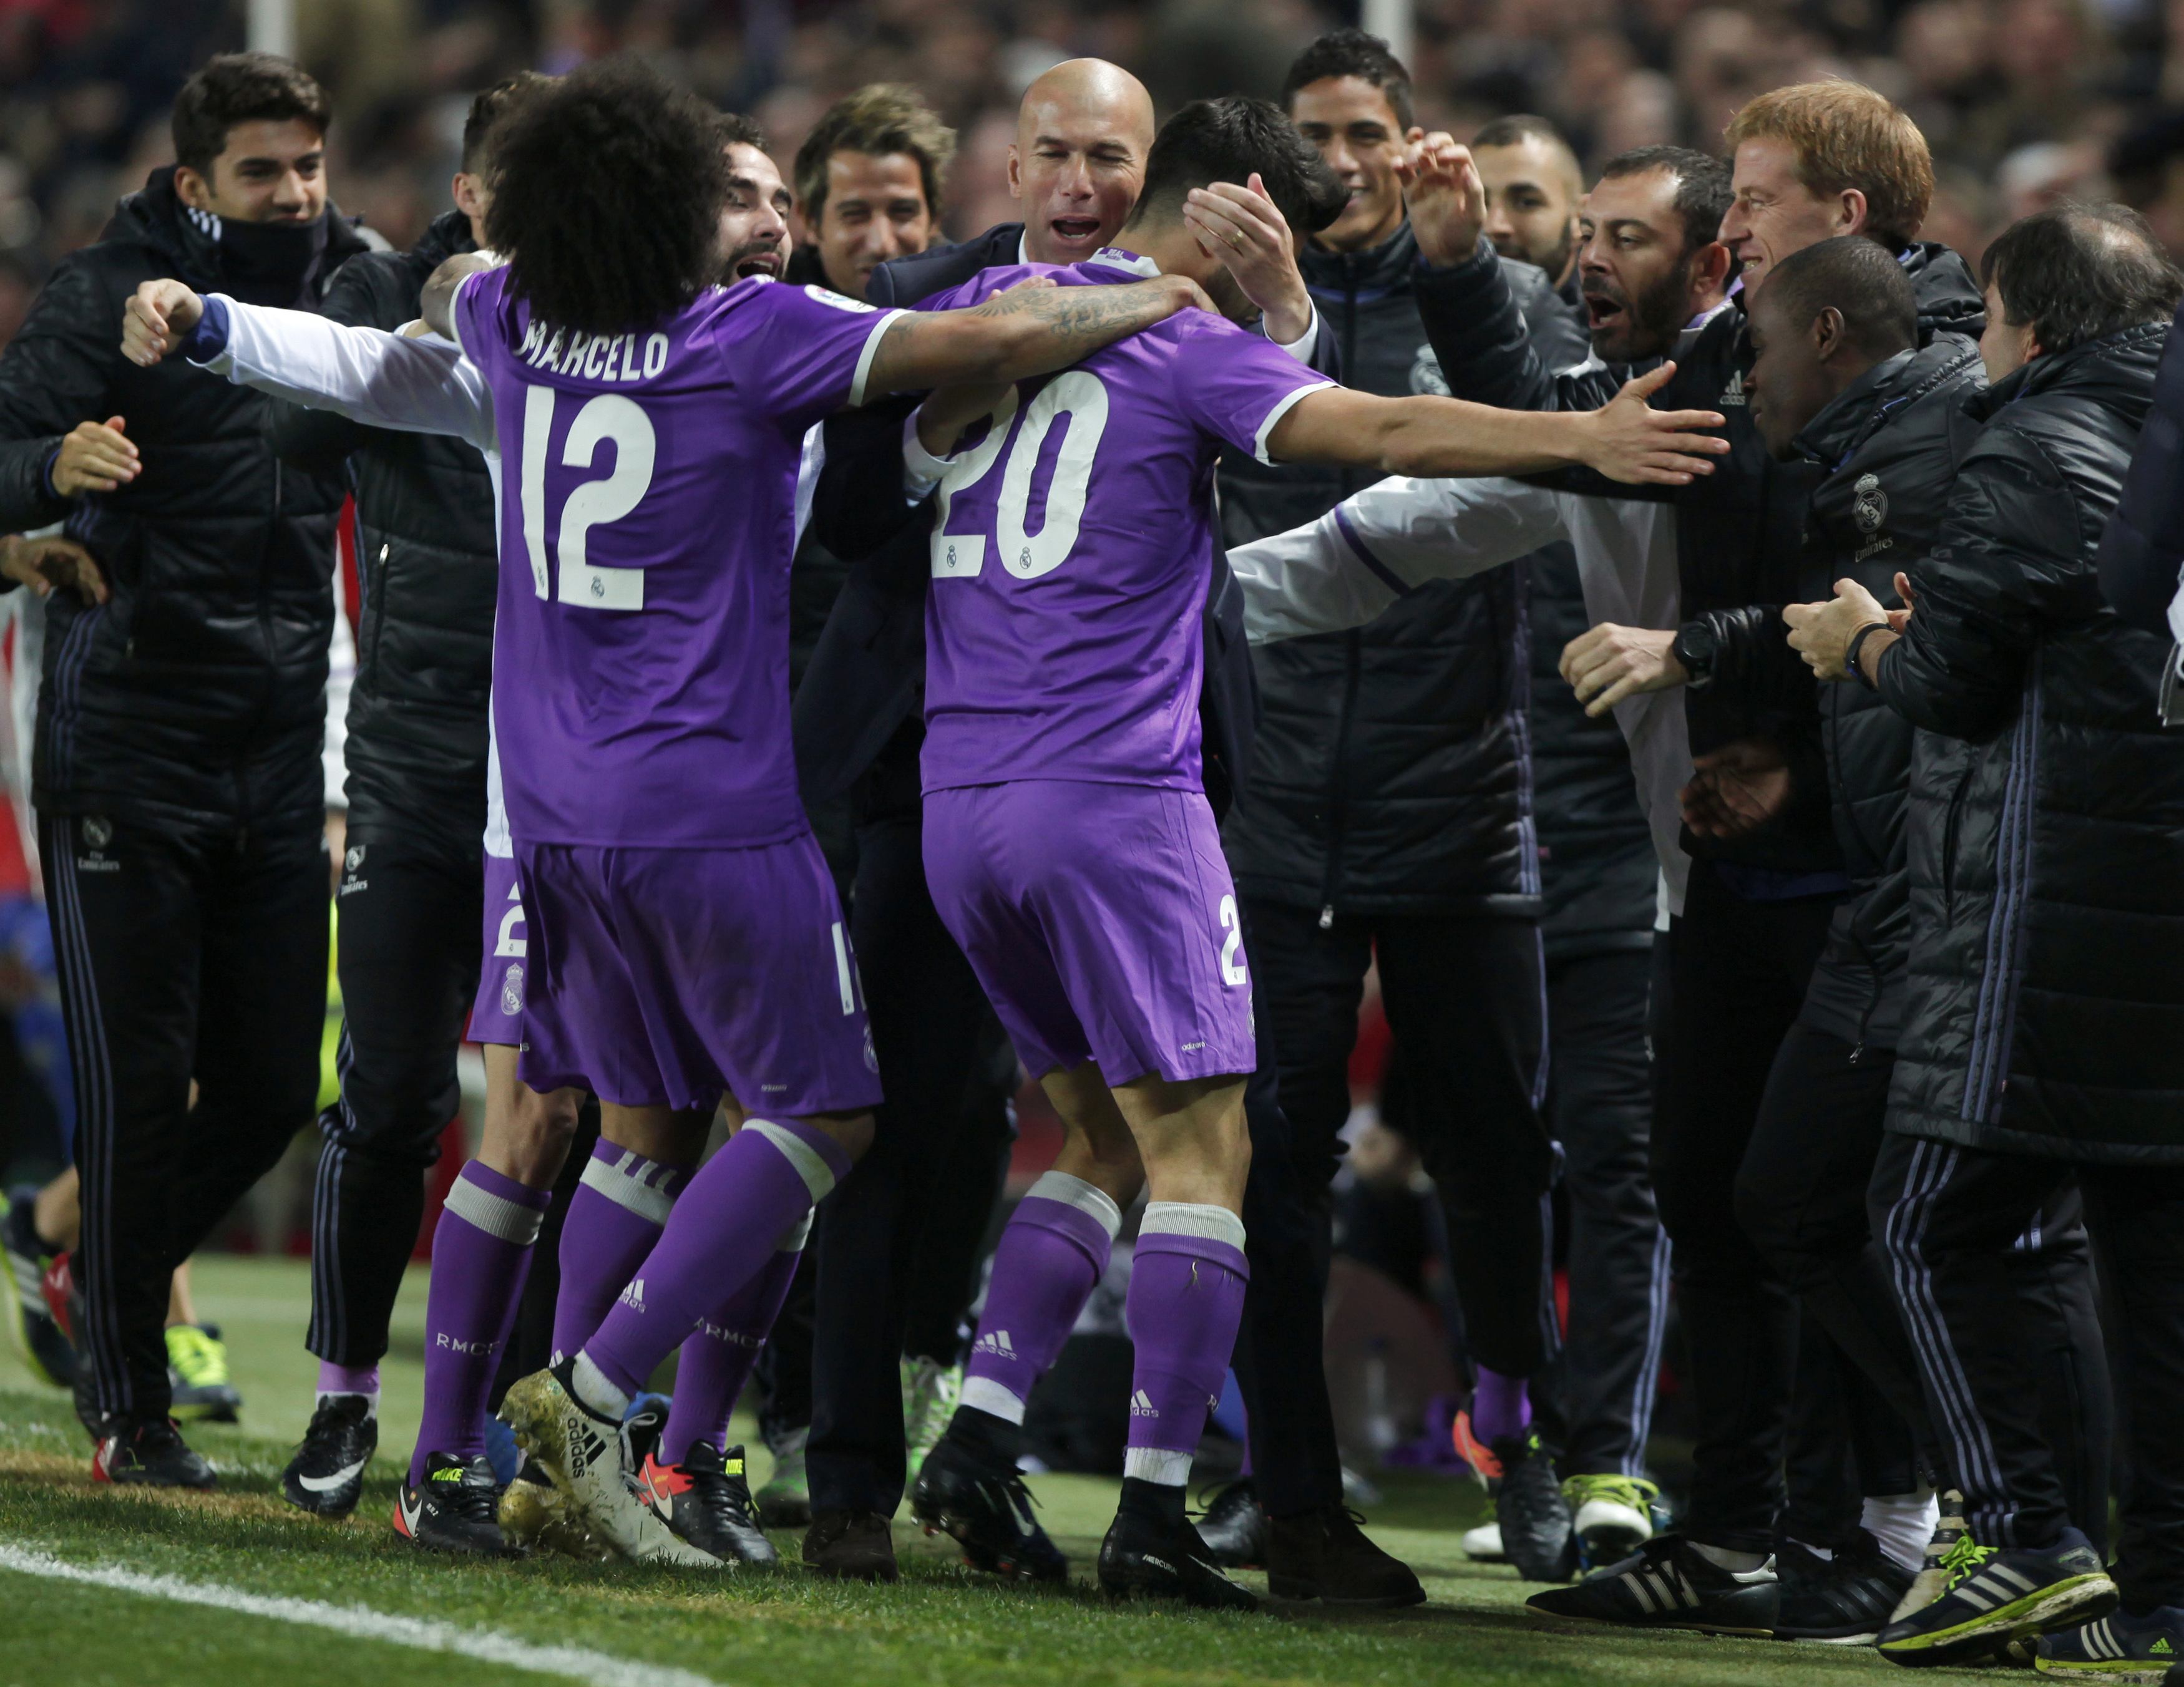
[[1390, 804], [1534, 196], [2042, 1038], [178, 772]]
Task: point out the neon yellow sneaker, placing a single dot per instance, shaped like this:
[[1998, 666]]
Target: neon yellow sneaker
[[197, 1373], [1612, 1516]]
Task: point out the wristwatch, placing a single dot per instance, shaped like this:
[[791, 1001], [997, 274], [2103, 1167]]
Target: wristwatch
[[1695, 650]]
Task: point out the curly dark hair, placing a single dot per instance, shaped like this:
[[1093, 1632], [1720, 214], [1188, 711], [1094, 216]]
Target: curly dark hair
[[607, 196], [1351, 53]]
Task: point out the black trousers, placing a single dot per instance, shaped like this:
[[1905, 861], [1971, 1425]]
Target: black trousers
[[2016, 1390], [926, 1013], [1802, 1196], [1732, 979], [180, 957], [408, 958], [1465, 999], [1600, 1105]]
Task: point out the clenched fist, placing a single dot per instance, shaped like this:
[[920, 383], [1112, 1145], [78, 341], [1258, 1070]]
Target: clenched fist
[[158, 318]]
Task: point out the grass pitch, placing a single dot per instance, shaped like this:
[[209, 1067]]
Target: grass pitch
[[399, 1617]]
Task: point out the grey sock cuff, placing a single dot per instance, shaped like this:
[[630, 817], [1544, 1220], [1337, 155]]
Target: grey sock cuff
[[811, 1165], [495, 1215], [1192, 1218], [1089, 1198], [649, 1192]]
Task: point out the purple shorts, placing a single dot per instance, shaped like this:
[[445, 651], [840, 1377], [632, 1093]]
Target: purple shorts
[[496, 1015], [1101, 921], [662, 978]]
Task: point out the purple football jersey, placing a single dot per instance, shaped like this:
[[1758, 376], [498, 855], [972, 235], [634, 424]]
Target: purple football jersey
[[1074, 545], [650, 496]]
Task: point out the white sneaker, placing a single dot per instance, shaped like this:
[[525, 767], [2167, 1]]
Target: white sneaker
[[1612, 1516], [930, 1391], [586, 1457], [1932, 1580], [1482, 1544]]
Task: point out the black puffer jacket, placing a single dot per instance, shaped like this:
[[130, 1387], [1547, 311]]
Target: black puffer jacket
[[427, 564], [1391, 771], [196, 696], [2142, 552], [1739, 531], [2047, 829], [1887, 451]]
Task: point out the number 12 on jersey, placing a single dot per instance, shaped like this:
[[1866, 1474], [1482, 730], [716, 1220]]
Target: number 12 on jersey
[[611, 419], [1077, 395]]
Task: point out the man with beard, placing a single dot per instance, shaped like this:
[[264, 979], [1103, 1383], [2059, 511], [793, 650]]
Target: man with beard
[[1597, 879], [180, 723]]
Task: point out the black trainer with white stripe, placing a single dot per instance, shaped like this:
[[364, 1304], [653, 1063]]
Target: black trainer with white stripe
[[1669, 1584], [1995, 1596]]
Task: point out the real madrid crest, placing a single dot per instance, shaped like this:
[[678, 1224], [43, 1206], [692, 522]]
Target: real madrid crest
[[1868, 504]]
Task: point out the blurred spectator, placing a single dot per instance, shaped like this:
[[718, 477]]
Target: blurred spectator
[[2023, 101]]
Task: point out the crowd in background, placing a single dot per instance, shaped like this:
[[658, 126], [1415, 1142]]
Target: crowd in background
[[2023, 101]]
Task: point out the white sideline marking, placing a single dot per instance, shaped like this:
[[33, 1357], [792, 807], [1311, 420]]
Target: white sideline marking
[[418, 1633]]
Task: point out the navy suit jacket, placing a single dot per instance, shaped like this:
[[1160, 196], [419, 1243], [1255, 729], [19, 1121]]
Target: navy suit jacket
[[867, 671]]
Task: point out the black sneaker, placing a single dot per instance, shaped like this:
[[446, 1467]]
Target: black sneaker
[[454, 1509], [1141, 1557], [1994, 1597], [850, 1546], [327, 1476], [987, 1511], [706, 1500], [2118, 1647], [1537, 1537], [1324, 1554], [24, 1263], [1845, 1601], [1234, 1527], [151, 1452], [1669, 1584]]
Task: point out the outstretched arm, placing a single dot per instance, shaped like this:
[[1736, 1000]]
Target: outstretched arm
[[419, 386], [1371, 549], [1021, 333], [1624, 439]]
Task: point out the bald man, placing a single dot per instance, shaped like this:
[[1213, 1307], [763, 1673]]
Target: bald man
[[1076, 167]]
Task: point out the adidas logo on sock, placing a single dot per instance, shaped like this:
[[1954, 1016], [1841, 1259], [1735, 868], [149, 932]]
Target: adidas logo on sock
[[633, 1296], [1141, 1405], [997, 1344]]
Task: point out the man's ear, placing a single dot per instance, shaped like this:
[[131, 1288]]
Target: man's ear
[[1852, 211], [1711, 267], [192, 188], [1828, 332], [468, 192], [1016, 173]]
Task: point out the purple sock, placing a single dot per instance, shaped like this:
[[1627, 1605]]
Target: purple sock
[[1501, 1408], [722, 1235], [614, 1221], [348, 1379], [717, 1355], [1185, 1303], [1053, 1252], [480, 1255]]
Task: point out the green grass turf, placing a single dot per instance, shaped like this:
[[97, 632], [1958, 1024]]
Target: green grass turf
[[941, 1624]]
